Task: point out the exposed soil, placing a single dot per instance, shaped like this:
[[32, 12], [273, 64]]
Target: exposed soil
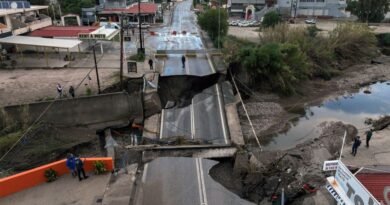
[[46, 143], [255, 175]]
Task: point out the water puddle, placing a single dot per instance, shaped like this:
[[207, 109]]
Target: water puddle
[[351, 108]]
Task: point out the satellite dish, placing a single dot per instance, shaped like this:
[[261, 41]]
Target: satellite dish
[[14, 5]]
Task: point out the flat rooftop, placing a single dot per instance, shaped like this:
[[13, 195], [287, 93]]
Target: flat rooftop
[[4, 12], [40, 42]]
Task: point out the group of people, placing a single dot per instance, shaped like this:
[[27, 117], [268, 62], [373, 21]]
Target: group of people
[[357, 142], [59, 91], [76, 166], [183, 61]]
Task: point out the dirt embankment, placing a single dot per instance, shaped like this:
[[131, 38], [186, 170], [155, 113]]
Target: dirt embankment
[[44, 143], [257, 175]]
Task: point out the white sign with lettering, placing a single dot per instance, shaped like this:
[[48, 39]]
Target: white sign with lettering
[[330, 165], [355, 191]]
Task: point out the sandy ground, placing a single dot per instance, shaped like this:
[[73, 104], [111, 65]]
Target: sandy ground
[[24, 86]]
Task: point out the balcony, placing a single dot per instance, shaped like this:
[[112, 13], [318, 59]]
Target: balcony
[[32, 26]]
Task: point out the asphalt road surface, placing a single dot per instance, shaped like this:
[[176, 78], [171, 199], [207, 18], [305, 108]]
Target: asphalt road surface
[[196, 188], [204, 119]]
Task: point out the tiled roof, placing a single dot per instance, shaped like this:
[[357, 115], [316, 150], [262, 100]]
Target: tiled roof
[[62, 31], [375, 184], [146, 8]]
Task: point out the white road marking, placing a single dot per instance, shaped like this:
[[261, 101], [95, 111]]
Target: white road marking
[[161, 123], [192, 111], [201, 182], [144, 174], [221, 111]]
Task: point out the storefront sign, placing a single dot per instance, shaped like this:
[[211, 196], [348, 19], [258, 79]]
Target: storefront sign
[[356, 193]]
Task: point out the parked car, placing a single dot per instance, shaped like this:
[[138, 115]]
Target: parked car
[[145, 25], [310, 21]]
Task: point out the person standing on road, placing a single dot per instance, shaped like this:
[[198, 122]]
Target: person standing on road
[[151, 64], [183, 60], [80, 168], [355, 145], [71, 91], [59, 90], [71, 164], [132, 31], [368, 137]]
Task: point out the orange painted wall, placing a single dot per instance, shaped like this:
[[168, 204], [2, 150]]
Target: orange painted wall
[[33, 177]]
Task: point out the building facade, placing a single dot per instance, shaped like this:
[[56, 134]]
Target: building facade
[[246, 8], [20, 17], [318, 8]]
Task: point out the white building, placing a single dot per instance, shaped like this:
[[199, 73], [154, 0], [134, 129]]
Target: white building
[[20, 17], [321, 8]]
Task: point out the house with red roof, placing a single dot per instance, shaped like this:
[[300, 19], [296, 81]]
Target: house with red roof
[[148, 12]]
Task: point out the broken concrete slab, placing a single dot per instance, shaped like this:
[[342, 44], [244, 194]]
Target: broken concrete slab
[[152, 127]]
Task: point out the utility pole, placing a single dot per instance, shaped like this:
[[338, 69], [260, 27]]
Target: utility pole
[[219, 23], [140, 30], [96, 68], [121, 59]]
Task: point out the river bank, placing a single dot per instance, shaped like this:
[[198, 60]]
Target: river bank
[[272, 114]]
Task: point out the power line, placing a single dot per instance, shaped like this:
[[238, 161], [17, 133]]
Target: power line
[[246, 112]]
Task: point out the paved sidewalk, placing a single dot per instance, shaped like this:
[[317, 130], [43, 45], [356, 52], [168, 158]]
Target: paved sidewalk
[[65, 190], [377, 154]]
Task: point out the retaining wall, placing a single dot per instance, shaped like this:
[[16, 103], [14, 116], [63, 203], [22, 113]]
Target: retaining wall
[[79, 111], [36, 176]]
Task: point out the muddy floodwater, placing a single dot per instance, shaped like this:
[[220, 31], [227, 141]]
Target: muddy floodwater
[[350, 108]]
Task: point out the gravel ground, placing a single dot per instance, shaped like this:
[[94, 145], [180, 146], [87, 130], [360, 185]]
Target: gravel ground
[[24, 86]]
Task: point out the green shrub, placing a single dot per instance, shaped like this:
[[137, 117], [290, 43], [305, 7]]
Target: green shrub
[[271, 19], [353, 42], [312, 31], [384, 39], [99, 167], [140, 57], [279, 65], [88, 91], [51, 175]]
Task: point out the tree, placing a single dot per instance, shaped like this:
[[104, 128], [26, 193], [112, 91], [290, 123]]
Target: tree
[[271, 19], [369, 10], [74, 6], [38, 2], [216, 27], [281, 66]]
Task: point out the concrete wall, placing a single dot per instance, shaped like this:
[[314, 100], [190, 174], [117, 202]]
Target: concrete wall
[[104, 108]]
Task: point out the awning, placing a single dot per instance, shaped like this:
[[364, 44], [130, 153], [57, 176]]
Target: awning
[[40, 42]]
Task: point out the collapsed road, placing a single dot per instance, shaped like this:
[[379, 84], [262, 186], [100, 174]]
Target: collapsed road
[[177, 181]]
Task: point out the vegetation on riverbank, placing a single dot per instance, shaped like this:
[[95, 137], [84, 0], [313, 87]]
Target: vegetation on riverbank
[[286, 56], [214, 22]]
